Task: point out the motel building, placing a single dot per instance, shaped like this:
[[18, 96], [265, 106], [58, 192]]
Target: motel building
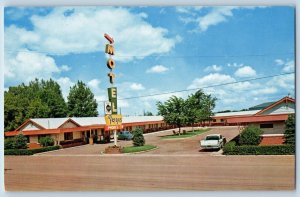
[[270, 117], [67, 132]]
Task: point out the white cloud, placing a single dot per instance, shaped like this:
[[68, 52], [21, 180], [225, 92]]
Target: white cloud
[[245, 71], [214, 16], [264, 91], [65, 68], [82, 30], [157, 69], [188, 9], [238, 95], [242, 86], [65, 84], [123, 104], [286, 81], [94, 84], [26, 66], [101, 98], [214, 68], [279, 61], [137, 86], [235, 65], [211, 79], [289, 66]]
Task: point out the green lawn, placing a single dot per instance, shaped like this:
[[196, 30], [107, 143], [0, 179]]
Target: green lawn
[[186, 135], [134, 149]]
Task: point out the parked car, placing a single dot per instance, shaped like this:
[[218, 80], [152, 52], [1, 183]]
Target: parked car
[[213, 141], [125, 135]]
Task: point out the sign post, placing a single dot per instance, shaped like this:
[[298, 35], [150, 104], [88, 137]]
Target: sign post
[[113, 120]]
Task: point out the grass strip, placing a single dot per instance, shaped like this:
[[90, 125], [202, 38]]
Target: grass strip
[[185, 135], [134, 149]]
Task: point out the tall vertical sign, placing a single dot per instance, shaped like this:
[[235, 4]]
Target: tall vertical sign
[[112, 119]]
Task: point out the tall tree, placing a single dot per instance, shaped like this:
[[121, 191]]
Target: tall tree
[[148, 113], [173, 111], [209, 104], [199, 107], [16, 104], [38, 99], [289, 133], [81, 101], [51, 95]]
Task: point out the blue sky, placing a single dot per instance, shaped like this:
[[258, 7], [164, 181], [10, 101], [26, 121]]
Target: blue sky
[[158, 49]]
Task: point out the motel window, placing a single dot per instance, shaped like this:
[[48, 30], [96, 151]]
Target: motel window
[[222, 120], [266, 126], [214, 120], [68, 136]]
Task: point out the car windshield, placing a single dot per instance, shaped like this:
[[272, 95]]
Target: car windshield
[[212, 138]]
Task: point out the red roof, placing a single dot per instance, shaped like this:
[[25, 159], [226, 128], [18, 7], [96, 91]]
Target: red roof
[[65, 130], [285, 99], [258, 118]]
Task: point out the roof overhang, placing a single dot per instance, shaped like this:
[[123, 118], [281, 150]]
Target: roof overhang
[[258, 118]]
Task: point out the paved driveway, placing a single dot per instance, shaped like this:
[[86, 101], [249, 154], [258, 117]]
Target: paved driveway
[[165, 146]]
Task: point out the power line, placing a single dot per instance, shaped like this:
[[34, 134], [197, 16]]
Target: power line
[[168, 56], [204, 87], [192, 89]]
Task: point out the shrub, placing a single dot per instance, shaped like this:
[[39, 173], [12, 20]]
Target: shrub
[[18, 152], [138, 138], [231, 149], [9, 143], [250, 136], [289, 133], [46, 141], [20, 142], [29, 152]]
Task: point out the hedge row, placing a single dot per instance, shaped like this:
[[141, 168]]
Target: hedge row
[[231, 149], [29, 152]]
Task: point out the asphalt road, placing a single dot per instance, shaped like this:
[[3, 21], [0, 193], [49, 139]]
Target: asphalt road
[[148, 173]]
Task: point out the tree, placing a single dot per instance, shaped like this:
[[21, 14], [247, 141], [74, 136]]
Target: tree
[[208, 105], [9, 143], [250, 136], [148, 113], [81, 102], [138, 138], [16, 103], [38, 99], [173, 111], [51, 95], [289, 133], [199, 107], [191, 110], [20, 142], [46, 141]]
